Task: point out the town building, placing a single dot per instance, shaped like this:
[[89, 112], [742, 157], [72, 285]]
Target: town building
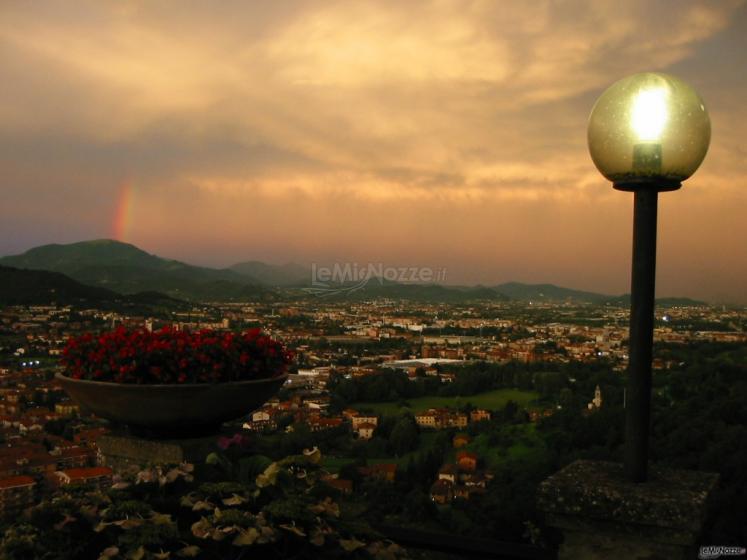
[[93, 477]]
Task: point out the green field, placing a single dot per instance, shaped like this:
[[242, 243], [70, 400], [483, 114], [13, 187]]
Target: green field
[[334, 464], [522, 443], [492, 400], [518, 441], [425, 441]]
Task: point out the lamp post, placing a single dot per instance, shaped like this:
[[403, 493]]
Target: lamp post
[[647, 133]]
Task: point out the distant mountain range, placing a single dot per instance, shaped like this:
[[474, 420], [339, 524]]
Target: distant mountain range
[[548, 292], [41, 287], [433, 293], [114, 267], [624, 301], [286, 275], [124, 268]]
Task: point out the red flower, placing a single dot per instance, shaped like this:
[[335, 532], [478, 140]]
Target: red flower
[[169, 356]]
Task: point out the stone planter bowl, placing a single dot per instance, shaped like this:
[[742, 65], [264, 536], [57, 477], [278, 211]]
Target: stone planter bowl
[[188, 410]]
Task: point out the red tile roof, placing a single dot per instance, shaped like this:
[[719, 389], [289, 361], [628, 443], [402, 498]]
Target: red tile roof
[[16, 481], [75, 452], [88, 472], [466, 455], [340, 484]]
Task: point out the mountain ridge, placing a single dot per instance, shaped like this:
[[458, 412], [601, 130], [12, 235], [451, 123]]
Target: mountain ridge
[[285, 275], [548, 292], [125, 268], [20, 286]]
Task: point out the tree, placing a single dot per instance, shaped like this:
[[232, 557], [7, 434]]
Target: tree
[[404, 436], [565, 398], [510, 411]]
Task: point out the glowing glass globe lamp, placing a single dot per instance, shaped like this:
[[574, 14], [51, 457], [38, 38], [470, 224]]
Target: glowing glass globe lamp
[[649, 130], [647, 133]]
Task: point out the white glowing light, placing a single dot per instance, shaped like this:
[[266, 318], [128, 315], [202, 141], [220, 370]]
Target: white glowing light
[[649, 114]]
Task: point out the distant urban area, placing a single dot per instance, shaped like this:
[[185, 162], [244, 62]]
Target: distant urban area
[[449, 400]]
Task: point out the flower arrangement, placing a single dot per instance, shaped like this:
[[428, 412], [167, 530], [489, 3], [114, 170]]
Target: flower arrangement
[[168, 356]]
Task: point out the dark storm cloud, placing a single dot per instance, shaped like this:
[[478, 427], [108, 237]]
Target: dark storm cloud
[[317, 131]]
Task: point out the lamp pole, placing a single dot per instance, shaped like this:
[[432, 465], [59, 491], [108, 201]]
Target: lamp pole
[[642, 290], [642, 302], [662, 123]]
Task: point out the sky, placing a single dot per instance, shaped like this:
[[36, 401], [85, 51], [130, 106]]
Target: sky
[[443, 134]]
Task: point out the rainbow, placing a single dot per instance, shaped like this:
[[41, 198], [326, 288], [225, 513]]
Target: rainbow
[[122, 211]]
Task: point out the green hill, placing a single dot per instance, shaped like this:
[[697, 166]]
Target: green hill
[[624, 301], [285, 275], [38, 287], [67, 258], [547, 292], [41, 287], [436, 293], [126, 269]]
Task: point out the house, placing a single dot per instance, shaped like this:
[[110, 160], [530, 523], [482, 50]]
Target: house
[[26, 426], [441, 418], [343, 485], [40, 463], [319, 424], [264, 425], [467, 461], [384, 471], [88, 437], [67, 408], [479, 415], [95, 477], [474, 480], [364, 419], [75, 457], [448, 472], [441, 492], [460, 440], [315, 405], [366, 430], [426, 419], [350, 413], [461, 491], [261, 415], [535, 415], [450, 419], [387, 471], [458, 420], [38, 415]]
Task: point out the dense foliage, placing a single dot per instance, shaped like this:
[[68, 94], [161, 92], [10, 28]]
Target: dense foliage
[[237, 507], [471, 379], [699, 422], [171, 356]]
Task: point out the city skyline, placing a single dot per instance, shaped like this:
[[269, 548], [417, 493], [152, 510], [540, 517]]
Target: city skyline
[[436, 134]]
